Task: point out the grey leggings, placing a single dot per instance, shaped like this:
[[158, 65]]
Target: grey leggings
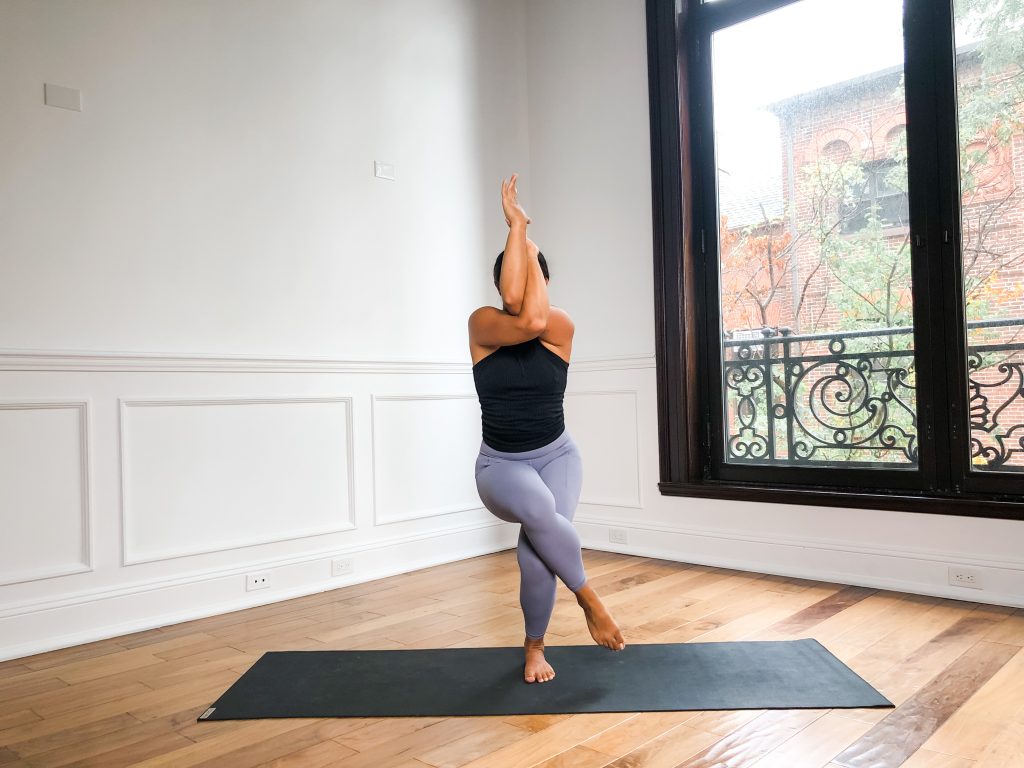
[[540, 490]]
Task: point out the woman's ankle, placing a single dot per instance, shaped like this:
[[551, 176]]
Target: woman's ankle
[[585, 593]]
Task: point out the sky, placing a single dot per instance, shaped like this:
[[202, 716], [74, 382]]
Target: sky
[[797, 48], [794, 49]]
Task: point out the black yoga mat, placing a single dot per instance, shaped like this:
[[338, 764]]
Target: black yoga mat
[[444, 682]]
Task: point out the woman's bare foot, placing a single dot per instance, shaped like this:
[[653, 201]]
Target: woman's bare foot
[[602, 626], [537, 668]]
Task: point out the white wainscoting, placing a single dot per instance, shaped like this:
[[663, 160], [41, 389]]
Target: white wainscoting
[[203, 476], [371, 461], [138, 491], [45, 509], [607, 423], [424, 447]]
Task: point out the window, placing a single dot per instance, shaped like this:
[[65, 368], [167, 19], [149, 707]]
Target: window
[[840, 251], [878, 196]]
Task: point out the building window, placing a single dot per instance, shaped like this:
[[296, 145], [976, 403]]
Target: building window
[[837, 325], [878, 195]]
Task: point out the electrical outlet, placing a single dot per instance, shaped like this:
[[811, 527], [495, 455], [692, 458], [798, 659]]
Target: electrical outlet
[[341, 565], [617, 535], [959, 576], [259, 580]]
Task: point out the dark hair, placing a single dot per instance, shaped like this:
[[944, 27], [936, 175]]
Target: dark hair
[[540, 259]]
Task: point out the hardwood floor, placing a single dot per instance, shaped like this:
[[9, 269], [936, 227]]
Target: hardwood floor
[[954, 669]]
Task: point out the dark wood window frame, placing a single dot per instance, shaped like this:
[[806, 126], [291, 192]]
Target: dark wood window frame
[[679, 84]]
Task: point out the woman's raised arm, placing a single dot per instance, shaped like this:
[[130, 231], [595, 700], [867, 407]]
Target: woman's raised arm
[[514, 268], [535, 302]]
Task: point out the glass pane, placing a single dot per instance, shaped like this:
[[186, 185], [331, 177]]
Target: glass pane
[[814, 253], [990, 122]]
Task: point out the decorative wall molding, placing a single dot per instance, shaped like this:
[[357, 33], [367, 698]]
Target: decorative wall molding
[[72, 360], [85, 564], [416, 514], [637, 503], [124, 448]]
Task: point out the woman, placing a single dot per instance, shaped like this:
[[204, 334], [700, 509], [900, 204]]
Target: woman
[[529, 469]]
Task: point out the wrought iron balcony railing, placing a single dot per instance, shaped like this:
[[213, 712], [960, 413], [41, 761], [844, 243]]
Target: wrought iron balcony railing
[[847, 398]]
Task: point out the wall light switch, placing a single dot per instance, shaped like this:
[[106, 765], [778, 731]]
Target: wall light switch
[[59, 96], [384, 170]]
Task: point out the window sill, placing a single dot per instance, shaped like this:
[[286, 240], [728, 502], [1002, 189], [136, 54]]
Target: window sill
[[977, 506]]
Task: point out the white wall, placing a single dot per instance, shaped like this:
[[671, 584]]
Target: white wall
[[590, 168], [224, 345], [216, 194], [589, 148]]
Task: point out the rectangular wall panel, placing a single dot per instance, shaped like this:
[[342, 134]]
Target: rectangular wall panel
[[424, 448], [207, 475], [44, 491], [604, 425]]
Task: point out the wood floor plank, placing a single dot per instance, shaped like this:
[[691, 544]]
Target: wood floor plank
[[924, 758], [75, 735], [63, 656], [18, 717], [768, 610], [129, 755], [281, 746], [745, 745], [891, 741], [1005, 750], [106, 746], [666, 750], [814, 745], [630, 734], [546, 743], [245, 734], [12, 669], [864, 613], [83, 695], [900, 681], [577, 757], [326, 753], [34, 683], [722, 722], [973, 726], [1010, 632], [418, 743], [829, 606], [888, 622], [494, 733]]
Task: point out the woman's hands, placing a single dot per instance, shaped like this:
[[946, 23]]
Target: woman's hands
[[514, 213]]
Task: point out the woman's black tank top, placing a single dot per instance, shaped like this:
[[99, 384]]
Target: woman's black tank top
[[521, 387]]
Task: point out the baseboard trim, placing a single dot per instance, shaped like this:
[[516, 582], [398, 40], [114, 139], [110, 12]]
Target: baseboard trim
[[85, 597], [1008, 599], [806, 542], [43, 645]]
